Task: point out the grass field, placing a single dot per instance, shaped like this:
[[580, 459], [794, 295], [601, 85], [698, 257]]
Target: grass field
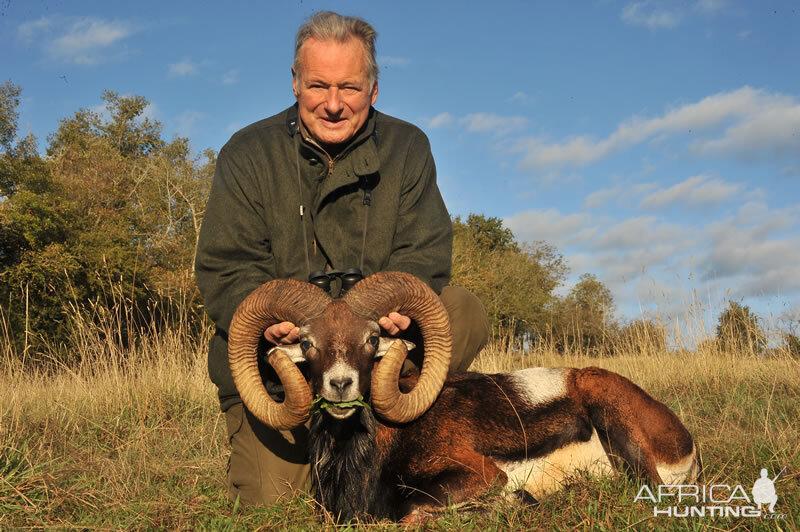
[[133, 439]]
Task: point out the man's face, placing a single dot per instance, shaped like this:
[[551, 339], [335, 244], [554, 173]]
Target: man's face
[[333, 90]]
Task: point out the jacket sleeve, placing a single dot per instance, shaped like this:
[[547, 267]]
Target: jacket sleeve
[[234, 256], [423, 240]]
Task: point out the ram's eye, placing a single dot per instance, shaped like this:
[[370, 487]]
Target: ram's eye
[[374, 341], [305, 345]]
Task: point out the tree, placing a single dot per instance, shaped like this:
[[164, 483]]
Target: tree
[[515, 282], [114, 223], [20, 164], [584, 319], [739, 330]]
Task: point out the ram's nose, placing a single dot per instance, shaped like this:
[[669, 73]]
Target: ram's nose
[[341, 385]]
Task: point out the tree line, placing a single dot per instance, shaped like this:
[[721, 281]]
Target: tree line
[[106, 222]]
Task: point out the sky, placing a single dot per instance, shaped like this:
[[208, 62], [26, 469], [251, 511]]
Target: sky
[[655, 144]]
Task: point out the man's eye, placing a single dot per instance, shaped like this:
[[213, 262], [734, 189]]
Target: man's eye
[[305, 345], [374, 341]]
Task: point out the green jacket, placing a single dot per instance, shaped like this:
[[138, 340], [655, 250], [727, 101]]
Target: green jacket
[[252, 230]]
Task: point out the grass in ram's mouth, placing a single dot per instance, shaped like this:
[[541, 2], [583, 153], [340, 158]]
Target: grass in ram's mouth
[[320, 402]]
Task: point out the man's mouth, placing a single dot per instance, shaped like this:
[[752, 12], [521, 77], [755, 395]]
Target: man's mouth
[[332, 121]]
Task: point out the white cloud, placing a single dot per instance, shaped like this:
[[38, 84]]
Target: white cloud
[[186, 122], [711, 6], [634, 232], [697, 191], [599, 198], [230, 77], [80, 40], [442, 120], [489, 122], [28, 31], [763, 123], [552, 226], [650, 14], [519, 96], [771, 131], [753, 254], [744, 34], [481, 123], [183, 68], [389, 61], [752, 250]]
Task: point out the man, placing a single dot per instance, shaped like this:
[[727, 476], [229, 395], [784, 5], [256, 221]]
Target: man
[[330, 183]]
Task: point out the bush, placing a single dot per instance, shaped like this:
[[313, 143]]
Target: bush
[[739, 330]]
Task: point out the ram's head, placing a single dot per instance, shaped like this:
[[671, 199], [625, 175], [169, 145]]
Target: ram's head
[[341, 342]]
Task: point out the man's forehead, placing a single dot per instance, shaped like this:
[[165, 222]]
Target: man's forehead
[[331, 55]]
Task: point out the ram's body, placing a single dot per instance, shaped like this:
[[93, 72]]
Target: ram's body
[[526, 430], [435, 439]]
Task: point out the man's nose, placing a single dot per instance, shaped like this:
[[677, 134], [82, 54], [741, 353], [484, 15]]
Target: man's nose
[[333, 102]]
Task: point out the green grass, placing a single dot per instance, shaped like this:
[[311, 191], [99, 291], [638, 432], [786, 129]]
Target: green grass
[[133, 439]]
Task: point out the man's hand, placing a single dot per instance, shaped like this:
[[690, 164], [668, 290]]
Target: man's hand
[[286, 333], [394, 323], [283, 333]]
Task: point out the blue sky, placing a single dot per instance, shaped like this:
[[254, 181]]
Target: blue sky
[[655, 143]]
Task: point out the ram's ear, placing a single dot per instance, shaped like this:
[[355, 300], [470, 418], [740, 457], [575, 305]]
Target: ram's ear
[[293, 351], [386, 343]]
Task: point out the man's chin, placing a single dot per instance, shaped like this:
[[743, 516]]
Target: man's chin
[[337, 133]]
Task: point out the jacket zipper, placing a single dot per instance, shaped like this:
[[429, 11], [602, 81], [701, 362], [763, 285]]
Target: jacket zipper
[[331, 161]]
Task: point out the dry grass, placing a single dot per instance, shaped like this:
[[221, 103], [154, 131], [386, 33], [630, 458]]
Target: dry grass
[[132, 439]]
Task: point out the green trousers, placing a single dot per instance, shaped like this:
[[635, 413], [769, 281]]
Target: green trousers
[[266, 464]]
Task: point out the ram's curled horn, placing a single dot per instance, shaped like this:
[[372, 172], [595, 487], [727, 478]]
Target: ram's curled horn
[[385, 292], [271, 303]]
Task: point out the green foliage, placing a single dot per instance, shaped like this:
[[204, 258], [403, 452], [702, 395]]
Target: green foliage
[[20, 165], [128, 130], [584, 319], [9, 101], [514, 282], [739, 330], [488, 233], [113, 212]]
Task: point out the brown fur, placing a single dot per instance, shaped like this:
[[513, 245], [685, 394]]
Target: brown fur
[[451, 453], [480, 423], [644, 427]]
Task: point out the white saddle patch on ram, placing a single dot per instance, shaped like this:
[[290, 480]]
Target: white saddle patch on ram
[[547, 474], [541, 385]]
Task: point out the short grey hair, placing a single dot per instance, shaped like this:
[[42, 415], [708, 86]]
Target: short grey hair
[[330, 26]]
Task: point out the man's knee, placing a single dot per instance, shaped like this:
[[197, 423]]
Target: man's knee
[[265, 464], [469, 325]]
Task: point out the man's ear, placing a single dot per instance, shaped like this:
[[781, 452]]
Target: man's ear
[[374, 95], [386, 343], [294, 83], [293, 351]]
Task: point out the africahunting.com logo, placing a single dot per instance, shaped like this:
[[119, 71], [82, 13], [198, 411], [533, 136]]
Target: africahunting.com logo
[[716, 500]]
